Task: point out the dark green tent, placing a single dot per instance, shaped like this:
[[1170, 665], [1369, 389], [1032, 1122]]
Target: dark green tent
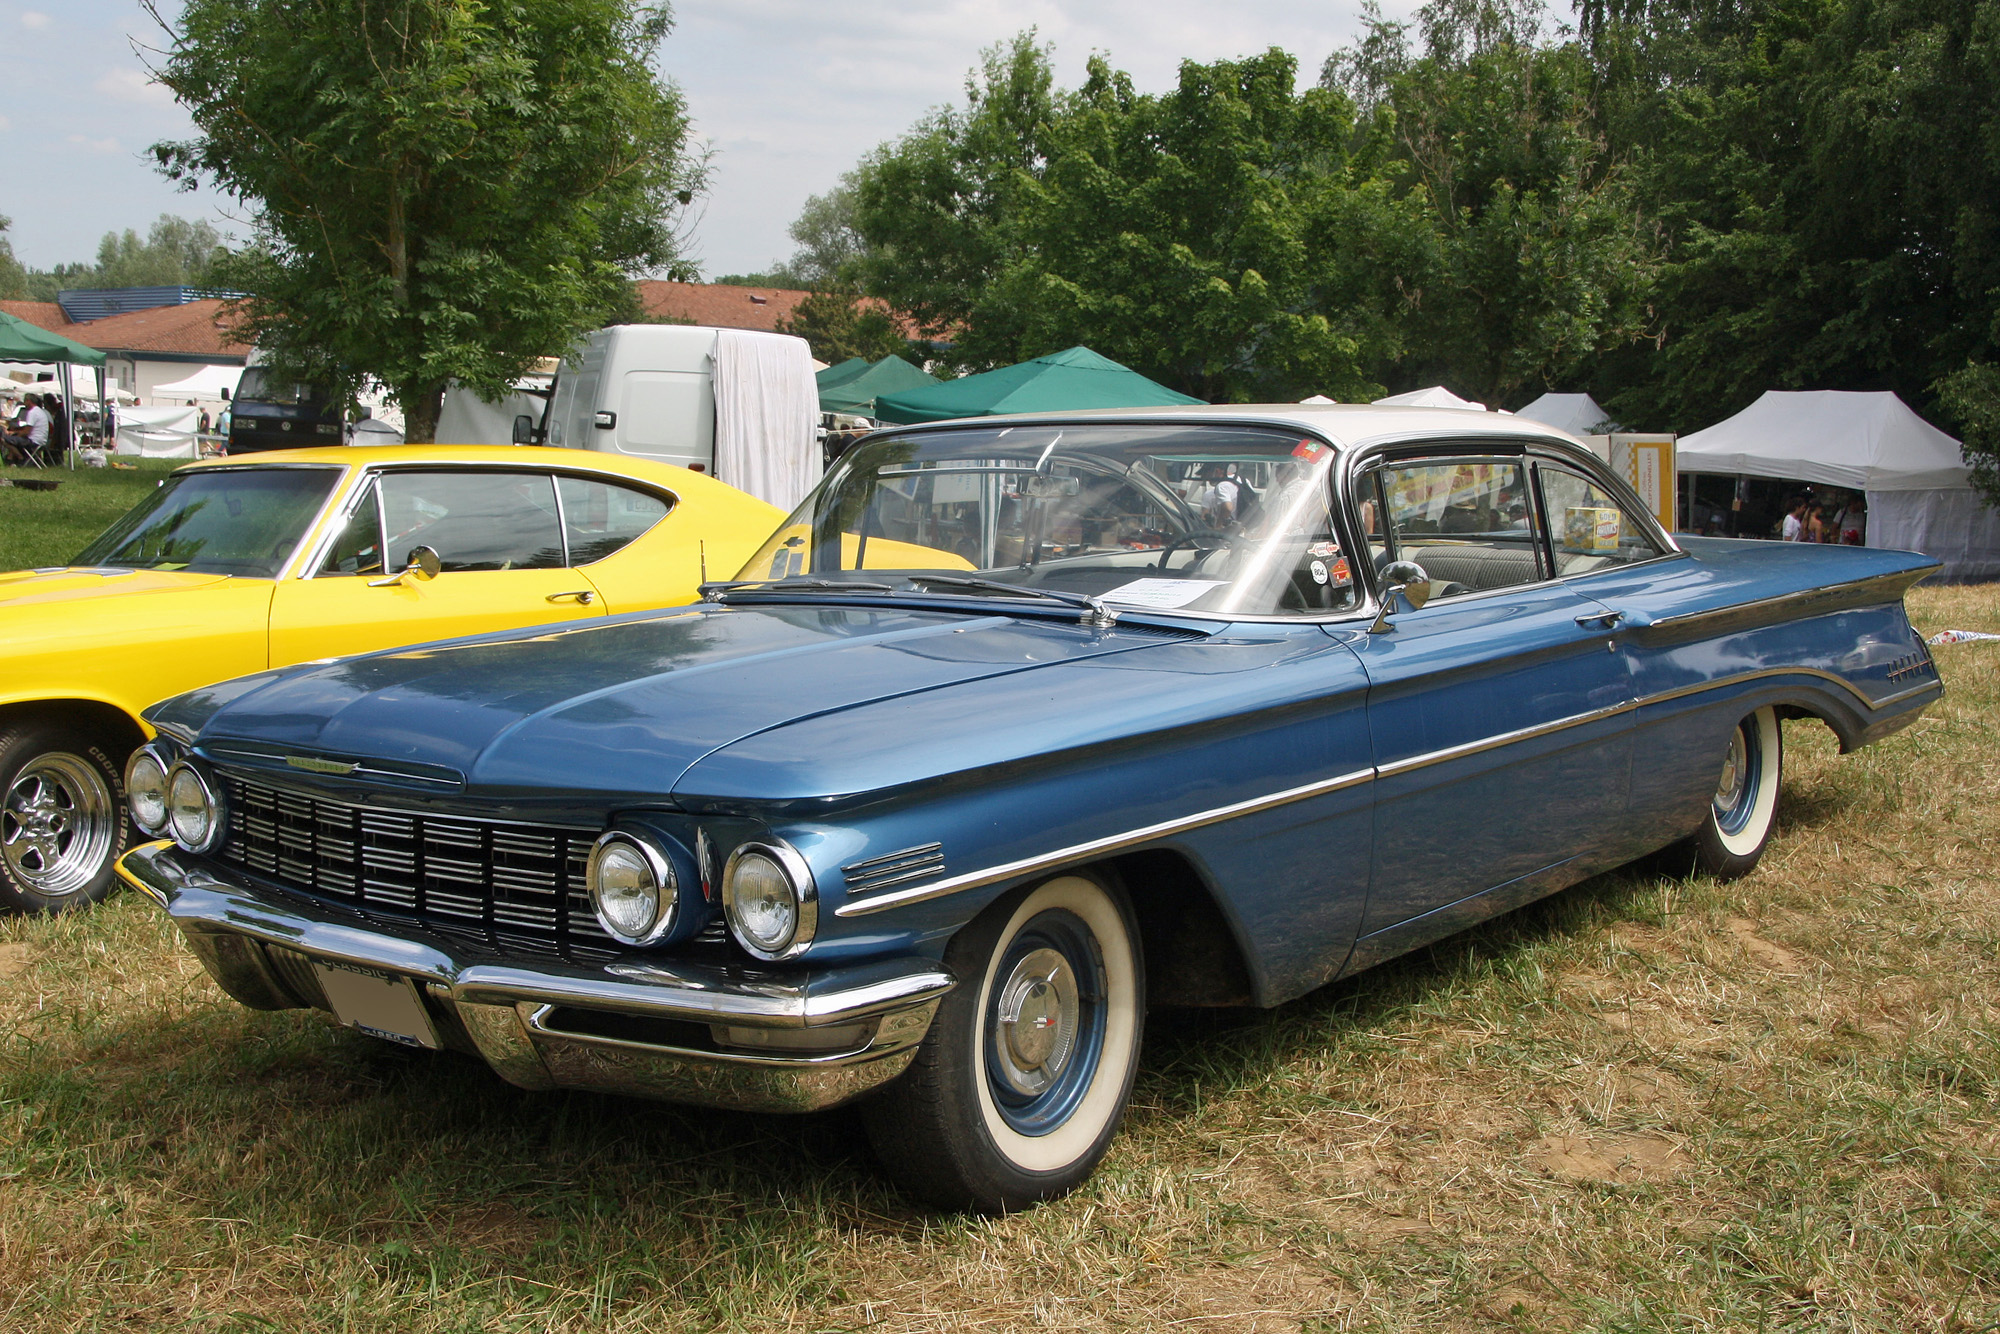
[[1077, 378], [22, 341], [840, 374], [891, 375]]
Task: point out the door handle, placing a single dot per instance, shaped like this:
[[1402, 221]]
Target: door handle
[[1604, 620], [584, 596]]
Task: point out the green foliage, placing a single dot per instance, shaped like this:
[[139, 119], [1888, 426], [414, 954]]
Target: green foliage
[[442, 189], [1971, 395], [174, 253], [839, 325], [13, 279]]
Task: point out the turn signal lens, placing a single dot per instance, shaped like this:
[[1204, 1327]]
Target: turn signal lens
[[146, 791], [633, 888], [193, 813]]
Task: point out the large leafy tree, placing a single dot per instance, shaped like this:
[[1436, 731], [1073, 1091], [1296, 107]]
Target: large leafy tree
[[1216, 238], [441, 189]]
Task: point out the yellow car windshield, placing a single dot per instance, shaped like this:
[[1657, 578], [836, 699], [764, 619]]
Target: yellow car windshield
[[241, 521]]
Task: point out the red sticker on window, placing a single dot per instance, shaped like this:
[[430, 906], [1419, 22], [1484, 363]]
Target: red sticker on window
[[1309, 450]]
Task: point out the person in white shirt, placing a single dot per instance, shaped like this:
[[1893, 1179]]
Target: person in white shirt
[[1795, 522], [32, 433]]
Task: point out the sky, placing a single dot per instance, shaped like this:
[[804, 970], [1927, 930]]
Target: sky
[[787, 94]]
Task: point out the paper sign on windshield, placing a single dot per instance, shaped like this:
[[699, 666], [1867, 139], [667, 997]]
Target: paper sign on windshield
[[1161, 594]]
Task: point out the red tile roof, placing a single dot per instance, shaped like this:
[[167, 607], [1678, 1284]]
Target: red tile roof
[[198, 328], [720, 305]]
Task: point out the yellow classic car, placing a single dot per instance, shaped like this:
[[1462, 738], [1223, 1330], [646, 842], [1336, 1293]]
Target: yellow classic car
[[235, 566]]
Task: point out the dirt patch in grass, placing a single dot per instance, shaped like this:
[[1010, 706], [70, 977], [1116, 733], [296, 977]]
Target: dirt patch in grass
[[1642, 1105]]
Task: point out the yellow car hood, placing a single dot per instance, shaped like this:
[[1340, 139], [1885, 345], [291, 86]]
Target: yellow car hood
[[77, 584]]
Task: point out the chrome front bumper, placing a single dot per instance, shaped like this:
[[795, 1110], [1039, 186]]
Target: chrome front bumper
[[751, 1039]]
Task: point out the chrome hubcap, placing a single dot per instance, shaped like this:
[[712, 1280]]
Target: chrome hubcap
[[1039, 1016], [57, 825], [1735, 774]]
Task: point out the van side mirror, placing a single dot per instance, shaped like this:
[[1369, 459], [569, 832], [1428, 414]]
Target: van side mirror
[[524, 430]]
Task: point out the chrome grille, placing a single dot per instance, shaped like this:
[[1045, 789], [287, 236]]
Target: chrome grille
[[520, 886], [894, 868]]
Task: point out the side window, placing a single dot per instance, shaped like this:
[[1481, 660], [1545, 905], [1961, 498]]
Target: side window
[[1465, 521], [1587, 527], [473, 520], [601, 517], [358, 549]]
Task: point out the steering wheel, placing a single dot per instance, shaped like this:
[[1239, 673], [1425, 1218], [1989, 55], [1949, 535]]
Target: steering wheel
[[1190, 539]]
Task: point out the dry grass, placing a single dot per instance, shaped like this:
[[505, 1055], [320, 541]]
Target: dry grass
[[1641, 1105]]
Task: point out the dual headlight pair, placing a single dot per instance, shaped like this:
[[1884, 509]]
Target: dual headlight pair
[[768, 895], [174, 798]]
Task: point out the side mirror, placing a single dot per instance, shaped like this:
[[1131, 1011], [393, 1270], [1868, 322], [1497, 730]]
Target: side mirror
[[424, 564], [524, 430], [1406, 582]]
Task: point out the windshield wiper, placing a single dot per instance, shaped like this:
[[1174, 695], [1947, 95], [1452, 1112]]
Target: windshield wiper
[[1095, 612], [712, 592]]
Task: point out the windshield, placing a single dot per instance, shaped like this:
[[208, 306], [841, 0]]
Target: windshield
[[217, 521], [1201, 518], [257, 386]]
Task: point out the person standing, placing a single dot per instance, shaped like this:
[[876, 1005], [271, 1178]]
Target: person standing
[[1794, 529]]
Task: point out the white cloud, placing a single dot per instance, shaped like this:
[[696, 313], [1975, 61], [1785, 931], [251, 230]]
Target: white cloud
[[133, 85], [34, 21], [105, 145]]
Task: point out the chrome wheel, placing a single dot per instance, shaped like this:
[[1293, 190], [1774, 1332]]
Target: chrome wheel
[[1046, 1028], [1738, 778], [58, 825]]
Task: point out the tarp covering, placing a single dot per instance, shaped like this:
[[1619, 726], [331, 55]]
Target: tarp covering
[[890, 375], [1076, 378], [1579, 414], [1437, 396], [1919, 490], [766, 409], [208, 382], [1864, 442], [22, 341], [158, 433]]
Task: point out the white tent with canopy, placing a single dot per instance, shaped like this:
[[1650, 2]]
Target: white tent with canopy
[[1579, 414], [212, 382], [1437, 396], [1919, 489]]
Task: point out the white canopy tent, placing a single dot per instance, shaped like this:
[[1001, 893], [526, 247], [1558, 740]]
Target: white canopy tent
[[1437, 396], [1919, 490], [213, 382], [82, 381], [1579, 414]]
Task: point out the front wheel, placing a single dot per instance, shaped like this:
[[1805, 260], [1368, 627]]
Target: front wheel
[[1018, 1088], [61, 821], [1744, 808]]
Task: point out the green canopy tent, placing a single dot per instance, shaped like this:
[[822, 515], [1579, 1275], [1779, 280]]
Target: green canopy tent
[[22, 341], [841, 373], [890, 375], [1077, 378]]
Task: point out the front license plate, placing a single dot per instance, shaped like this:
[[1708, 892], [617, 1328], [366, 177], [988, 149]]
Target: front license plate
[[382, 1005]]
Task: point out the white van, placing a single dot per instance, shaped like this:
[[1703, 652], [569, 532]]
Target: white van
[[739, 404]]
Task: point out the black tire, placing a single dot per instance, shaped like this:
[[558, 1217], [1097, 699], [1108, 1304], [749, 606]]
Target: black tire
[[62, 818], [1744, 809], [966, 1127]]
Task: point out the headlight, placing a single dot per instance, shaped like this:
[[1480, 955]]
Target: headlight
[[772, 905], [146, 790], [194, 813], [633, 887]]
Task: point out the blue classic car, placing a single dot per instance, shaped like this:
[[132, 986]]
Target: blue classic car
[[1016, 728]]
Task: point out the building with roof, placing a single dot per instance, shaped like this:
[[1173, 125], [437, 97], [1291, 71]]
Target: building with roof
[[150, 346]]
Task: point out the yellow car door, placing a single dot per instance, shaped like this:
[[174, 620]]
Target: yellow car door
[[500, 554]]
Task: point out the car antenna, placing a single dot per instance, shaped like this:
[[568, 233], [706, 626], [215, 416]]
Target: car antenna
[[701, 548]]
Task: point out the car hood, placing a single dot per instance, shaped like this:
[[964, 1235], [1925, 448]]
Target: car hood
[[76, 584], [616, 710]]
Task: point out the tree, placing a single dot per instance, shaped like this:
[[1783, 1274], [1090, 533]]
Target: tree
[[441, 189], [175, 253], [839, 325], [13, 279], [829, 244]]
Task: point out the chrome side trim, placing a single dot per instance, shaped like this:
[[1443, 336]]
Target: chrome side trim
[[1117, 842], [1131, 838]]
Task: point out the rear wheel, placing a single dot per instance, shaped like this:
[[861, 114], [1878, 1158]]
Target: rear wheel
[[62, 818], [1019, 1087], [1744, 808]]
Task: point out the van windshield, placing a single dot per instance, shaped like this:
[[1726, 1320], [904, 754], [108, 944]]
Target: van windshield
[[1221, 519], [258, 386]]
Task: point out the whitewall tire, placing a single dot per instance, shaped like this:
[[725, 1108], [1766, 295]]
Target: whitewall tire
[[1744, 808]]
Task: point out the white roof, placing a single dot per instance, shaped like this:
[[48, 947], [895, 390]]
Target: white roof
[[208, 382], [1437, 396], [1345, 424], [1579, 414], [1862, 441]]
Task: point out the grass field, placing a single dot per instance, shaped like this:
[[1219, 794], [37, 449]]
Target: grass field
[[49, 527], [1642, 1105]]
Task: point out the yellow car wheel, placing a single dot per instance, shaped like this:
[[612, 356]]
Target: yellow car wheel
[[62, 820]]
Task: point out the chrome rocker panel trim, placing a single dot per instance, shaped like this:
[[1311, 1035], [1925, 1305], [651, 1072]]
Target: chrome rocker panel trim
[[258, 945]]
